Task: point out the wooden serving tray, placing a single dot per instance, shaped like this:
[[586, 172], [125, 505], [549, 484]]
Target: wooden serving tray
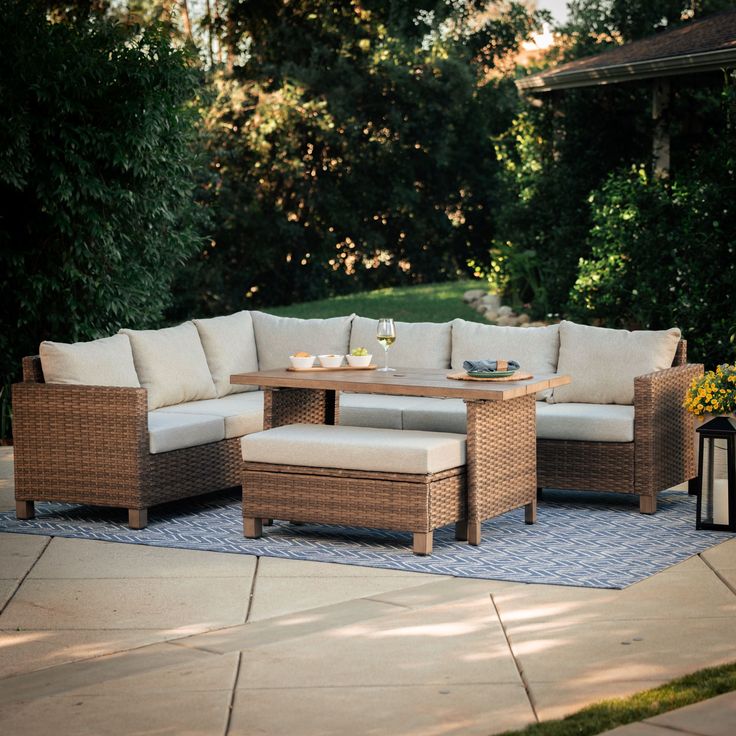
[[371, 367], [463, 376]]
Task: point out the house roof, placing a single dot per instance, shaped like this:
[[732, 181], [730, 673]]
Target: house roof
[[700, 45]]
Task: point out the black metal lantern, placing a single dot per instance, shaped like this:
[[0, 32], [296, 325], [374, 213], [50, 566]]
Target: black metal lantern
[[716, 482]]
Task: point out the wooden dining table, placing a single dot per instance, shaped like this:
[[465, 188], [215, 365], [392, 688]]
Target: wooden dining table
[[501, 423]]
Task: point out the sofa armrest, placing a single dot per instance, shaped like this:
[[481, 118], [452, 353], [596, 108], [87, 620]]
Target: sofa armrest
[[664, 432], [67, 438]]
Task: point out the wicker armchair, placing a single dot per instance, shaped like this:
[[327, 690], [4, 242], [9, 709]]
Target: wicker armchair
[[89, 444], [662, 454]]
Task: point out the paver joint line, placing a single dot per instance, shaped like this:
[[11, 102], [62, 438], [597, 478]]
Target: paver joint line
[[28, 571], [717, 574], [231, 699], [252, 593], [519, 669]]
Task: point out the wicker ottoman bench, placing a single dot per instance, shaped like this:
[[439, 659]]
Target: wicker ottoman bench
[[383, 478]]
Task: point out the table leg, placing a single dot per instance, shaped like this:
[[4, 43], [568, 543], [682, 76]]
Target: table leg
[[299, 406], [502, 460]]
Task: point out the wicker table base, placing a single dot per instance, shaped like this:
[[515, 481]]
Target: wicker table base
[[502, 460]]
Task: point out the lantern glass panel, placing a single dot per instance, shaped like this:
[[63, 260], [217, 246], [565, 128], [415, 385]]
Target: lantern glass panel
[[714, 489]]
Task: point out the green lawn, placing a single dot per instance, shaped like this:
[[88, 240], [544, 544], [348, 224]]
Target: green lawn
[[425, 303], [610, 714]]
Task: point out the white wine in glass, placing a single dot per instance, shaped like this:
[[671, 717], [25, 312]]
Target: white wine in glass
[[386, 335]]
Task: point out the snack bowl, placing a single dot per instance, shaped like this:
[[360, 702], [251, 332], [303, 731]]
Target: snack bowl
[[330, 361], [359, 361], [299, 361]]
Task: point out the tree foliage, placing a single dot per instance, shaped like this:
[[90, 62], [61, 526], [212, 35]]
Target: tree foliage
[[96, 177], [582, 235], [352, 146]]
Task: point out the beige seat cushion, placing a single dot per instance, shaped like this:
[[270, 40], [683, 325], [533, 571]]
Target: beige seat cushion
[[436, 415], [418, 344], [171, 364], [243, 413], [376, 410], [356, 448], [230, 347], [535, 349], [279, 337], [104, 362], [603, 362], [168, 431], [585, 422]]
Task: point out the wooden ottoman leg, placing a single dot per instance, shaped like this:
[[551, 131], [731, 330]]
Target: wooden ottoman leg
[[461, 530], [530, 512], [24, 510], [422, 543], [137, 518], [252, 528], [647, 504]]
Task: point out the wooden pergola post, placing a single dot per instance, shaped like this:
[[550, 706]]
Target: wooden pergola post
[[661, 137]]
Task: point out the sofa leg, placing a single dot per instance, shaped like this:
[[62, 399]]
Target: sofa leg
[[422, 543], [474, 533], [137, 518], [461, 530], [647, 504], [24, 510], [252, 528], [530, 512], [692, 487]]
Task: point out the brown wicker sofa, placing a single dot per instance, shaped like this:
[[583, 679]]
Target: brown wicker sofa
[[92, 444]]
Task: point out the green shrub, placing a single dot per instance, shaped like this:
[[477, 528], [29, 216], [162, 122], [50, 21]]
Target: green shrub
[[663, 255], [96, 177]]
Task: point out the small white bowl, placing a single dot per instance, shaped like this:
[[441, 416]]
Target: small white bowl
[[330, 361], [359, 361], [302, 362]]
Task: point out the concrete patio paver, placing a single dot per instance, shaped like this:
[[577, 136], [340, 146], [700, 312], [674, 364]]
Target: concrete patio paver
[[456, 710]]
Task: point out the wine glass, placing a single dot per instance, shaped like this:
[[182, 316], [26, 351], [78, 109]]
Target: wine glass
[[386, 335]]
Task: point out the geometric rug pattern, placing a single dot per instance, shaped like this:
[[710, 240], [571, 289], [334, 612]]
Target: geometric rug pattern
[[589, 540]]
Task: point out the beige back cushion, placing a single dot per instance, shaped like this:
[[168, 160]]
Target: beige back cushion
[[230, 347], [418, 344], [603, 362], [104, 362], [171, 365], [279, 337], [535, 349]]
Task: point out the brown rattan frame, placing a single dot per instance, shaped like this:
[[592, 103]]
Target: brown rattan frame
[[89, 444], [662, 454], [396, 501]]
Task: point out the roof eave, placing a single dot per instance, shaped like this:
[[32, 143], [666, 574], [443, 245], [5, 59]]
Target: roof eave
[[616, 73]]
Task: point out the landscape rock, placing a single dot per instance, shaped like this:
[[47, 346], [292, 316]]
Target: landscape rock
[[523, 319], [473, 295], [505, 311], [492, 300]]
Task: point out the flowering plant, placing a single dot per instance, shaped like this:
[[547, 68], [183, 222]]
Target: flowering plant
[[714, 393]]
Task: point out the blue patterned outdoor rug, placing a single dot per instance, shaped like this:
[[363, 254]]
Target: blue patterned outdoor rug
[[589, 540]]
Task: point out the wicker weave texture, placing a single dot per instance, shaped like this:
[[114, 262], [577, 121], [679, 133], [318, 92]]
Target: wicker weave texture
[[371, 499], [664, 432], [583, 466], [89, 444], [502, 456], [299, 406]]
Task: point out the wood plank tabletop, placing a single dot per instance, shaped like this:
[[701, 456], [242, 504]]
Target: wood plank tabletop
[[402, 382]]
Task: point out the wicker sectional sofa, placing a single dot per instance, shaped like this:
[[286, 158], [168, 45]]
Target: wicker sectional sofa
[[149, 416]]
